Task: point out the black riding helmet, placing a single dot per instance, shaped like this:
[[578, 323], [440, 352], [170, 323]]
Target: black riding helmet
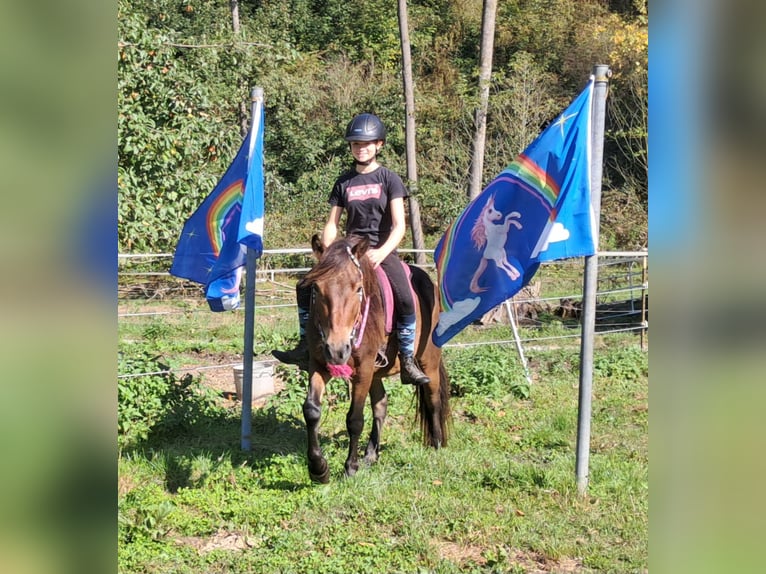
[[365, 128]]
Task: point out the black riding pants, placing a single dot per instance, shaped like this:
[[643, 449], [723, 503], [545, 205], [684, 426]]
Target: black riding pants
[[403, 303]]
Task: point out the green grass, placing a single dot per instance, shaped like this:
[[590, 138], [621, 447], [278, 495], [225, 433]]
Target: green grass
[[500, 498]]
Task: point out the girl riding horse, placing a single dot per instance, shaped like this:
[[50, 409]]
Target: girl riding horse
[[373, 197]]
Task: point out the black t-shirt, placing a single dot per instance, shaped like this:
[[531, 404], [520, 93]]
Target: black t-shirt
[[366, 197]]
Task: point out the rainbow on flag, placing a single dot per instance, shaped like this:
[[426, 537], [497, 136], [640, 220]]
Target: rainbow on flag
[[222, 211], [214, 241], [537, 209]]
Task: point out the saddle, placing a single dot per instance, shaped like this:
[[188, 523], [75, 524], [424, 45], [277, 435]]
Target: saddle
[[387, 295]]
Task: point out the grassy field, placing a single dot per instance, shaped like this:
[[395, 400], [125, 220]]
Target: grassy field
[[500, 498]]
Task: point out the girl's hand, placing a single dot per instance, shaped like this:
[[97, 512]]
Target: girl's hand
[[375, 256]]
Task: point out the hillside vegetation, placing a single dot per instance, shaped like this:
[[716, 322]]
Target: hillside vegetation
[[184, 79]]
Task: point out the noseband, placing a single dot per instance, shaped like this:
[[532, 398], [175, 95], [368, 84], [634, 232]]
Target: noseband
[[357, 332]]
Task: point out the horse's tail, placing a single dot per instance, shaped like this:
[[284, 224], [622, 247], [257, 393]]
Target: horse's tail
[[433, 412]]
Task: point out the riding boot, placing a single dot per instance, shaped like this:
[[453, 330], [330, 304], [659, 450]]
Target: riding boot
[[300, 354], [411, 374]]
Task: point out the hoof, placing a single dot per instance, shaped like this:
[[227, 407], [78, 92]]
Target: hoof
[[370, 459], [351, 471], [322, 477]]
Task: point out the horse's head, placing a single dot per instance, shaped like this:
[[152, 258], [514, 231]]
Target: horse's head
[[489, 213], [338, 295]]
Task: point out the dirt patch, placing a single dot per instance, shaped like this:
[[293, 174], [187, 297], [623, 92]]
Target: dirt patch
[[221, 540], [124, 485], [461, 553], [532, 563]]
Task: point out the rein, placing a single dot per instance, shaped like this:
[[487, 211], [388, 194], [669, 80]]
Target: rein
[[357, 334], [360, 334]]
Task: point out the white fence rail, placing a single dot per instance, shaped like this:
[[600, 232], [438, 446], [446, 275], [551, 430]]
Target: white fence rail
[[623, 282]]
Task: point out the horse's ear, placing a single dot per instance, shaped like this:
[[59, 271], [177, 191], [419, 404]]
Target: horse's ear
[[361, 247], [316, 246]]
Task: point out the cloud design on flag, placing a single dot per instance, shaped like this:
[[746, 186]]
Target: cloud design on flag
[[558, 233], [255, 226], [460, 310]]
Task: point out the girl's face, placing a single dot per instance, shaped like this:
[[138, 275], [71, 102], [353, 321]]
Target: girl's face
[[365, 151]]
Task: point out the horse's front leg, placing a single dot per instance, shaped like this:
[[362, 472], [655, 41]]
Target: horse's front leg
[[379, 403], [312, 412], [360, 388]]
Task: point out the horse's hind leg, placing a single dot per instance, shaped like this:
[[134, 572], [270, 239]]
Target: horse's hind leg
[[433, 406], [312, 412], [379, 404]]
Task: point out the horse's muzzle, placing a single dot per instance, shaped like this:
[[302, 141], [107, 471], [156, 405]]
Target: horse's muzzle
[[337, 354]]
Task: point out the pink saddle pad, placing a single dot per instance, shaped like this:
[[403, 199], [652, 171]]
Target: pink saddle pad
[[388, 294]]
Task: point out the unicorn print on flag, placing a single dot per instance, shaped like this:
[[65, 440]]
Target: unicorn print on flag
[[486, 232]]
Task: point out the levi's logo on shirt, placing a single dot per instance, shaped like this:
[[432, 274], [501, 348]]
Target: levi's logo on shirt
[[361, 192]]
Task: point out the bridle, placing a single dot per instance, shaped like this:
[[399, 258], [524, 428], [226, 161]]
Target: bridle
[[357, 331]]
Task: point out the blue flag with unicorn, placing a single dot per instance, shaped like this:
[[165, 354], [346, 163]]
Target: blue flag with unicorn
[[213, 245], [537, 209]]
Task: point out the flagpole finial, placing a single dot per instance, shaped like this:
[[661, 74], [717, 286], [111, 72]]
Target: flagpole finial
[[256, 93], [602, 72]]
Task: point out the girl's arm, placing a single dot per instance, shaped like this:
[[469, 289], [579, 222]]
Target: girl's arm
[[398, 228], [330, 231]]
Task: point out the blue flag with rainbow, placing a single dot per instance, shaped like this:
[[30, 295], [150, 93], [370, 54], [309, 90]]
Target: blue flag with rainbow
[[214, 241], [537, 209]]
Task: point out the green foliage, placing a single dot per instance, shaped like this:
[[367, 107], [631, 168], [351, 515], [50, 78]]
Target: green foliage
[[156, 403], [484, 371], [183, 91], [623, 363], [540, 27], [289, 401], [175, 136], [148, 521], [525, 96], [157, 330]]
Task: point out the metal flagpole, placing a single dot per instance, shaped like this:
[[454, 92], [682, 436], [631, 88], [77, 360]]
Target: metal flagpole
[[256, 101], [590, 280], [517, 340]]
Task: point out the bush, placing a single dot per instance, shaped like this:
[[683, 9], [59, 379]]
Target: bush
[[624, 363], [153, 402], [485, 371]]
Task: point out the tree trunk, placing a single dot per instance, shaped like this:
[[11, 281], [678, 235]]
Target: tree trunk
[[234, 5], [409, 130], [485, 75]]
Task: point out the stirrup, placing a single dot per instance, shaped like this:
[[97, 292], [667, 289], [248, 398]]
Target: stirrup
[[381, 360]]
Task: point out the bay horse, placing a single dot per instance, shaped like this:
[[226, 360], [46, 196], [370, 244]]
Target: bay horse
[[347, 338]]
